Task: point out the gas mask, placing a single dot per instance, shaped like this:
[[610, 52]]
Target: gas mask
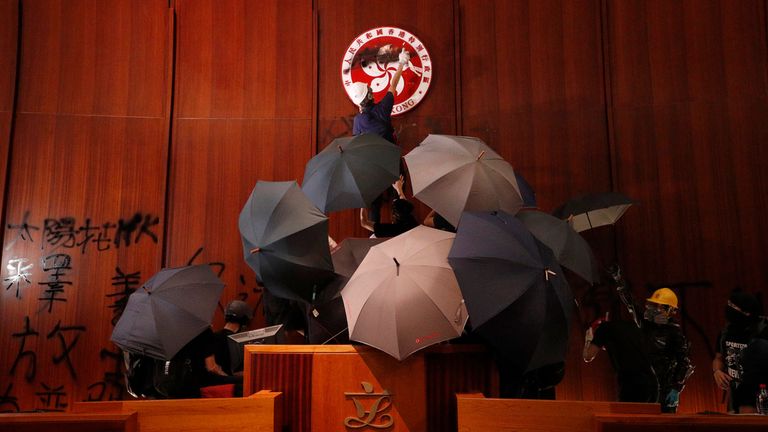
[[656, 314], [736, 317]]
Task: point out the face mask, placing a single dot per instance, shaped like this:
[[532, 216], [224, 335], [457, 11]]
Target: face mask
[[655, 315], [736, 318]]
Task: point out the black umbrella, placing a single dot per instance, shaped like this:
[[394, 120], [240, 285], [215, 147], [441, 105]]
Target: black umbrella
[[526, 191], [285, 240], [516, 295], [351, 172], [594, 210], [350, 253], [326, 318], [570, 248], [169, 310]]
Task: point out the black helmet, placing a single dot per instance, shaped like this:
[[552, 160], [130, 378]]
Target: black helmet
[[743, 308], [238, 311]]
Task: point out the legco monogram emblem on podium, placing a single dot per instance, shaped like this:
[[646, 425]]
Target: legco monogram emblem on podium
[[374, 417], [371, 58]]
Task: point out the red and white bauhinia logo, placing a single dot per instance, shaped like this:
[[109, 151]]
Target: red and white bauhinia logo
[[372, 59]]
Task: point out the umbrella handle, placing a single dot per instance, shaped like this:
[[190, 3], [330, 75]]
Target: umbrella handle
[[457, 317], [548, 272]]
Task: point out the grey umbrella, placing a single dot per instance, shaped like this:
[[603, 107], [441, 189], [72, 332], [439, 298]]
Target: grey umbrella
[[570, 248], [404, 296], [285, 240], [593, 210], [169, 310], [351, 172], [453, 174]]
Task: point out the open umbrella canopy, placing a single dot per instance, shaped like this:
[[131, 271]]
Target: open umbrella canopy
[[169, 310], [351, 252], [285, 240], [594, 210], [526, 191], [327, 321], [404, 296], [351, 172], [516, 295], [453, 174], [570, 248]]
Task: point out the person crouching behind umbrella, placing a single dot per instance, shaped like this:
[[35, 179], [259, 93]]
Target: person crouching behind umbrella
[[237, 317], [191, 369]]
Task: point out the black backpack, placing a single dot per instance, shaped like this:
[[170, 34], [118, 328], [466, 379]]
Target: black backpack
[[149, 378], [176, 378], [139, 375]]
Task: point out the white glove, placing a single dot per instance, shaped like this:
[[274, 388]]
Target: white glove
[[404, 57]]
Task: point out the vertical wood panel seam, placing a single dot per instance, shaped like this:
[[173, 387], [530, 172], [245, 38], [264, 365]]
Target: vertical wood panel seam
[[459, 127], [12, 123], [314, 123], [170, 77], [608, 94], [610, 130], [765, 36]]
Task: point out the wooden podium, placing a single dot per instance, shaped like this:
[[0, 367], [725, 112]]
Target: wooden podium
[[346, 387]]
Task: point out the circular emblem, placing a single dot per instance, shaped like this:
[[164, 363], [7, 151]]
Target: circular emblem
[[372, 57]]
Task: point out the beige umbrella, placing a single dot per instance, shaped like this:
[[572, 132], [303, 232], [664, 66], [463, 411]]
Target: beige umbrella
[[404, 296], [453, 174], [593, 210]]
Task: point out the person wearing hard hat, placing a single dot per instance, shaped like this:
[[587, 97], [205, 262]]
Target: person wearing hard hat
[[376, 117], [652, 361], [670, 349]]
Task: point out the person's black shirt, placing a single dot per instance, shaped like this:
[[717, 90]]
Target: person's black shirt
[[221, 350], [403, 218], [624, 342]]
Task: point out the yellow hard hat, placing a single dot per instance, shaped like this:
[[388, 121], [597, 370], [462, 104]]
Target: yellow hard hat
[[664, 296]]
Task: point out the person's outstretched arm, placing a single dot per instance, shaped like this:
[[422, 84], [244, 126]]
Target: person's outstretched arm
[[364, 222], [403, 59]]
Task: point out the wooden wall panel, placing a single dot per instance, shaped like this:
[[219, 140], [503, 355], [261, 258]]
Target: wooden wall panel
[[244, 59], [85, 196], [532, 88], [689, 91], [243, 111], [9, 27], [91, 59], [664, 101], [339, 22]]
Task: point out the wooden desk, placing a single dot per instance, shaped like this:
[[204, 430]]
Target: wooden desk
[[680, 423], [68, 422], [479, 414], [261, 412], [324, 386]]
